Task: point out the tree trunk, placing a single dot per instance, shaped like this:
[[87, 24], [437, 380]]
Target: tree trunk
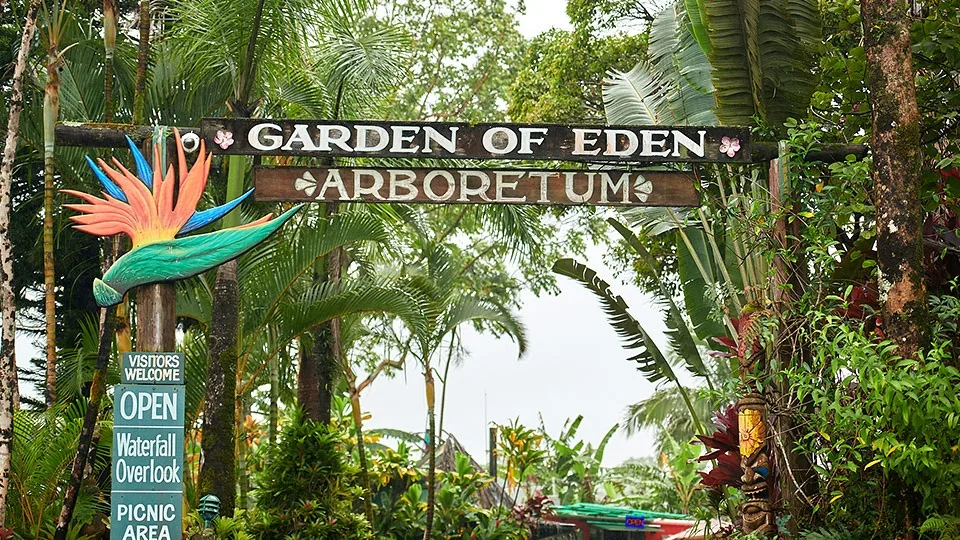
[[431, 453], [243, 447], [896, 172], [321, 363], [8, 310], [140, 91], [156, 317], [274, 416], [97, 390], [308, 377], [51, 111], [218, 467], [361, 452], [109, 44], [797, 475]]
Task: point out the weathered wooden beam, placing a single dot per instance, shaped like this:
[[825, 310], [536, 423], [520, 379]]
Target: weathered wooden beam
[[829, 153], [97, 135]]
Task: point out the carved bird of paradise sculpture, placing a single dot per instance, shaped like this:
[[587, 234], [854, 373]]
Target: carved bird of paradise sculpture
[[147, 208]]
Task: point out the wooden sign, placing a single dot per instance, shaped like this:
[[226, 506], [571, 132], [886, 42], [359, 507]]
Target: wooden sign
[[475, 186], [476, 141]]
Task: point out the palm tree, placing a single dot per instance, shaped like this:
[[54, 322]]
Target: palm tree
[[449, 305], [52, 30], [256, 45]]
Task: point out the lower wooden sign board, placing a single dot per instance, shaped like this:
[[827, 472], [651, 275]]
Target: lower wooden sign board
[[476, 186]]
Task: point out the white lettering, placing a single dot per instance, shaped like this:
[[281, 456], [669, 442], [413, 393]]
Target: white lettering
[[679, 139], [526, 139], [466, 191], [612, 147], [496, 135], [272, 141], [572, 195], [327, 138], [333, 181], [158, 405], [432, 135], [580, 142], [608, 186], [302, 136], [500, 183], [649, 143], [543, 176], [403, 179], [383, 139], [399, 139], [428, 185], [374, 190]]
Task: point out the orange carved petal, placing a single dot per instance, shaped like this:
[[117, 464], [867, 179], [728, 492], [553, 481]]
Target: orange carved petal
[[165, 202], [136, 198]]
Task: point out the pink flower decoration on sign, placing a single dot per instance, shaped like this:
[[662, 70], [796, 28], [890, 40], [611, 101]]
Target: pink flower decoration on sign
[[225, 138], [729, 146]]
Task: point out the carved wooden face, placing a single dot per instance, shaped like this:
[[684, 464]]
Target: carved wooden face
[[757, 516], [755, 473]]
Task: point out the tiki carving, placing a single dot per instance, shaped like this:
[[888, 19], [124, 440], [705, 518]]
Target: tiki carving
[[755, 461]]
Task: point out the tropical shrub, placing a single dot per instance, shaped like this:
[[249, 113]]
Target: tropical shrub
[[307, 489]]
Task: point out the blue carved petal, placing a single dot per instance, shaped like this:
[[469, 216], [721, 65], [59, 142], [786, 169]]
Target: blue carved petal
[[111, 188], [206, 217], [143, 168]]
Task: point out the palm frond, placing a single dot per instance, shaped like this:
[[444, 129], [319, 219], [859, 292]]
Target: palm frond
[[651, 361], [681, 339]]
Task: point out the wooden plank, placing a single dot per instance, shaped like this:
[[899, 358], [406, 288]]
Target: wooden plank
[[647, 144], [106, 135], [476, 186]]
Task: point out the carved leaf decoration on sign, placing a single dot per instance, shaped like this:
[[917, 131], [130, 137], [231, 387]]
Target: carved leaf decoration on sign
[[306, 183], [642, 188]]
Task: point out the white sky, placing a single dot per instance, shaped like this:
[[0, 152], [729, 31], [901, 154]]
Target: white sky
[[574, 365]]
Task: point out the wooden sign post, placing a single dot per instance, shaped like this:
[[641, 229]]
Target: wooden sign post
[[475, 186], [618, 145], [444, 140]]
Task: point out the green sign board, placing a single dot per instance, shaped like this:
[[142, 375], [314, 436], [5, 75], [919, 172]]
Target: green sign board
[[138, 405], [148, 448], [146, 516], [147, 459], [151, 368]]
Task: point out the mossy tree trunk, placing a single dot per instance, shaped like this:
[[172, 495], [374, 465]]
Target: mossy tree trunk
[[218, 469], [896, 172], [97, 390]]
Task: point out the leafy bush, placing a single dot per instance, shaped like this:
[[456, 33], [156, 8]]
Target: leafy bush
[[307, 489]]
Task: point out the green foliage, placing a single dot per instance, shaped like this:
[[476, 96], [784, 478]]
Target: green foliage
[[45, 444], [562, 71], [945, 527], [465, 55], [673, 87], [761, 52], [462, 510], [307, 489]]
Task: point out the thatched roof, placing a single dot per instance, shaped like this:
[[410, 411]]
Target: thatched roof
[[491, 496]]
